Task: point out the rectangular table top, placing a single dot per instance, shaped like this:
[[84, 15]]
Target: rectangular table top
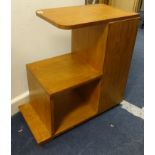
[[79, 16]]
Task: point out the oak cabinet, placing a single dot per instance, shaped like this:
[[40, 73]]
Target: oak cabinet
[[70, 89]]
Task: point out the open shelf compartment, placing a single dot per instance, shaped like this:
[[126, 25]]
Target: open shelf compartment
[[75, 106]]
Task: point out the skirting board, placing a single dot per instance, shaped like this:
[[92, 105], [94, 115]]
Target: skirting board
[[18, 100]]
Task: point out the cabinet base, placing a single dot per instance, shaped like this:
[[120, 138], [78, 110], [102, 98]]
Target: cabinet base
[[38, 129]]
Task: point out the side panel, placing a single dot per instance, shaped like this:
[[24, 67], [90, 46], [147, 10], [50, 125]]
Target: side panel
[[89, 44], [119, 49], [40, 101]]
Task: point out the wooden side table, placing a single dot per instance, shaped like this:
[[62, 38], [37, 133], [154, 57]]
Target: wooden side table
[[70, 89]]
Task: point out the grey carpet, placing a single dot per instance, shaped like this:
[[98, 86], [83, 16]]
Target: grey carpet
[[135, 85], [115, 132]]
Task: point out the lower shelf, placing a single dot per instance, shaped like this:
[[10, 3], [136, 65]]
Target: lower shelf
[[66, 109], [70, 110], [36, 126]]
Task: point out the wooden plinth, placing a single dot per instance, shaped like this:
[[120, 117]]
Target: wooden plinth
[[37, 127], [70, 89]]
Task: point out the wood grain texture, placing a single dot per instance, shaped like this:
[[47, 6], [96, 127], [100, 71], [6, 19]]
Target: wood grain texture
[[91, 93], [62, 72], [89, 44], [40, 101], [37, 127], [79, 16], [120, 44], [75, 106]]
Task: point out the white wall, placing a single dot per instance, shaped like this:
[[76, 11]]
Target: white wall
[[34, 39]]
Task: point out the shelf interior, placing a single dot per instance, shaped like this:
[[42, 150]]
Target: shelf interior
[[62, 72], [73, 107]]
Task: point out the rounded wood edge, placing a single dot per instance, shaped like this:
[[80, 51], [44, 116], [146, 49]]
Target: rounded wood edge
[[70, 27]]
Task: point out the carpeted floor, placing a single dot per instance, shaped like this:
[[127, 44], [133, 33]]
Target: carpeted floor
[[116, 132], [135, 85]]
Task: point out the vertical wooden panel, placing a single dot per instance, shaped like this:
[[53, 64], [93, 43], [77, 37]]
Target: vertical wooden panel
[[40, 101], [120, 44], [89, 43], [91, 93]]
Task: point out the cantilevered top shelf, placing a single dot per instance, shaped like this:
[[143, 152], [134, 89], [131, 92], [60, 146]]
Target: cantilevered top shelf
[[79, 16], [62, 72]]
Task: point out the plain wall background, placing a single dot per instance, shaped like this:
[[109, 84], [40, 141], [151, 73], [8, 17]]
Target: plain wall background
[[34, 39]]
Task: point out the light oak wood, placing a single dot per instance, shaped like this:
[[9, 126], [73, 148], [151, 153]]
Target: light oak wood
[[62, 72], [70, 89], [40, 101], [48, 80], [89, 44], [37, 127], [120, 44], [75, 106], [79, 16], [70, 109]]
